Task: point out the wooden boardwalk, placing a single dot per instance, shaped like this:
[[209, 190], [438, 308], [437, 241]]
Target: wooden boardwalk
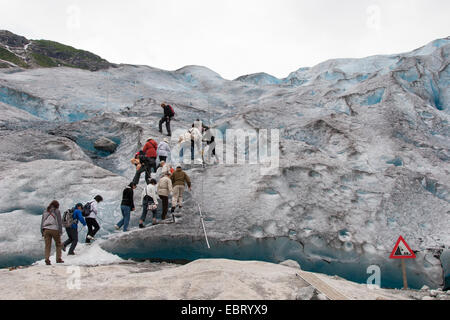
[[320, 285]]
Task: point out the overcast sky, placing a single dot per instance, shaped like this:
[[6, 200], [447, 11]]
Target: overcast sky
[[231, 37]]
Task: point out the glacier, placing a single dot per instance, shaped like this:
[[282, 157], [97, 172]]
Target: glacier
[[364, 158]]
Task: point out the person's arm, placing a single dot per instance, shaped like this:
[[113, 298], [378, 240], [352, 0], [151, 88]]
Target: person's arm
[[188, 180], [42, 222], [169, 183], [80, 218], [132, 199], [154, 196]]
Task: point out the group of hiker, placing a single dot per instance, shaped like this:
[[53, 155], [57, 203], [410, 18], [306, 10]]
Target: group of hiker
[[170, 182], [152, 157], [52, 226]]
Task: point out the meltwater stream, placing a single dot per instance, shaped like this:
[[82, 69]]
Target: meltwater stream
[[349, 266]]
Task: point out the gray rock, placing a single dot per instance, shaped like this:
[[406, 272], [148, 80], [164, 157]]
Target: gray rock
[[105, 144], [306, 293], [428, 298], [425, 288], [291, 264], [434, 293], [321, 296]]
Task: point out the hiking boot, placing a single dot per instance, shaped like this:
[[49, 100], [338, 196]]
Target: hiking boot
[[59, 261], [47, 262], [90, 237], [116, 227], [71, 254], [141, 226]]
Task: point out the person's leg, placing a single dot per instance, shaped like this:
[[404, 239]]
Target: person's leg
[[165, 206], [192, 149], [121, 222], [74, 237], [137, 176], [144, 211], [180, 196], [57, 238], [174, 198], [126, 218], [154, 216], [48, 244], [68, 241], [168, 126], [161, 123], [95, 226], [89, 226], [152, 165]]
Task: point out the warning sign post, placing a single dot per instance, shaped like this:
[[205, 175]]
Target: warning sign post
[[402, 251]]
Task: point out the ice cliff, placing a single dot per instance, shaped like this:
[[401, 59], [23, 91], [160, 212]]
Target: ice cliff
[[364, 158]]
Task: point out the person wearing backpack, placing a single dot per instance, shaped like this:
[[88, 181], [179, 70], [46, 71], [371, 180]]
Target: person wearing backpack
[[51, 228], [90, 212], [149, 202], [167, 117], [151, 152], [126, 207], [163, 150], [70, 220]]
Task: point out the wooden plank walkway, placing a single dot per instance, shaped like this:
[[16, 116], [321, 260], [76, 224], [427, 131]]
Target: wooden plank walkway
[[330, 292]]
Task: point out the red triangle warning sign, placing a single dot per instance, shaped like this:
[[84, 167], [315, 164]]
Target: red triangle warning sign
[[402, 250]]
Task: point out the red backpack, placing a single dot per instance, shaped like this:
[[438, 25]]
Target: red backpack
[[172, 111]]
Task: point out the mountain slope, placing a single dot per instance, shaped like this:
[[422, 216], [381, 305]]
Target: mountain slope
[[17, 51]]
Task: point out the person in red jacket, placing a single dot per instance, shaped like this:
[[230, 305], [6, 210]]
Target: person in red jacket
[[150, 150]]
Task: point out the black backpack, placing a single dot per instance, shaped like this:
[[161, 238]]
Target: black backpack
[[87, 209]]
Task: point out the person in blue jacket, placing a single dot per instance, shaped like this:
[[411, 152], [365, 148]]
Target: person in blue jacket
[[72, 231]]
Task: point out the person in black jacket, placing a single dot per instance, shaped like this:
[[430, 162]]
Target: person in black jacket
[[126, 206], [167, 117]]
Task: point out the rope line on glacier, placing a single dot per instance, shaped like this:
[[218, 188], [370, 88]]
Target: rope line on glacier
[[203, 224]]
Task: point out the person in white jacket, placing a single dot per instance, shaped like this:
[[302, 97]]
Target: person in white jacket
[[163, 150], [149, 202], [196, 142], [91, 219]]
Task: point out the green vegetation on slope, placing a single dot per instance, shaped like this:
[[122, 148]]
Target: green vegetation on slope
[[11, 57], [43, 61], [67, 55]]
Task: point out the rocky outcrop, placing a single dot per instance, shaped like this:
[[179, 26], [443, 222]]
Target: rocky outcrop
[[105, 144], [42, 53]]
